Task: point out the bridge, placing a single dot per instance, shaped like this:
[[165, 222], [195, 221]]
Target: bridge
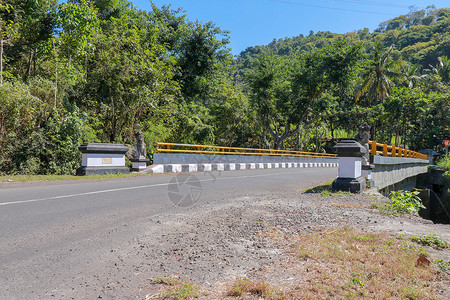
[[73, 239], [393, 167]]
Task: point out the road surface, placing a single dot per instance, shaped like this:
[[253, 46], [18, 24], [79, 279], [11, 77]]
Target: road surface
[[54, 233]]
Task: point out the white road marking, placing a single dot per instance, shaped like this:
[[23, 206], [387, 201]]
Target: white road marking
[[130, 188]]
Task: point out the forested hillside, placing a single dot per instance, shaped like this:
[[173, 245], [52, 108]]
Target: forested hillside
[[99, 70]]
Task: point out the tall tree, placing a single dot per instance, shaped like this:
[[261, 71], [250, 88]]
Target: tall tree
[[271, 98], [79, 22], [377, 85]]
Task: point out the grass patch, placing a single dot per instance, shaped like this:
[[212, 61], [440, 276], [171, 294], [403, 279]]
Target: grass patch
[[244, 287], [32, 178], [431, 240], [325, 190], [402, 202], [352, 264], [444, 265], [325, 187], [175, 288]]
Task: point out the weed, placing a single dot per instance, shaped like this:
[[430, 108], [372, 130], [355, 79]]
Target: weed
[[441, 263], [374, 205], [431, 240], [325, 190], [356, 280], [182, 291], [262, 289], [402, 202], [167, 280], [238, 288], [326, 193], [361, 238], [326, 187], [445, 163], [177, 289]]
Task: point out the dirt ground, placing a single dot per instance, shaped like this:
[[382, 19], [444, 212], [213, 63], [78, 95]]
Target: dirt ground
[[211, 245]]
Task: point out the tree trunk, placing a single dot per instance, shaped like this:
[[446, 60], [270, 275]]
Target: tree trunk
[[34, 62], [374, 131], [112, 137], [56, 72], [332, 130], [1, 58], [30, 64], [404, 131], [68, 53]]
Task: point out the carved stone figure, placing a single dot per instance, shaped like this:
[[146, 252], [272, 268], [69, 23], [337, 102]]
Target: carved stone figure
[[139, 149], [363, 137]]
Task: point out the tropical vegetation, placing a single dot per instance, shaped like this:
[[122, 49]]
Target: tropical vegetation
[[99, 70]]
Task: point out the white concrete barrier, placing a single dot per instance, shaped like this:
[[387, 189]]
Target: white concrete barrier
[[204, 167], [176, 168], [189, 168]]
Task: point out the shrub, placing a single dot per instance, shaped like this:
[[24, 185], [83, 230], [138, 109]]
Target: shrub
[[431, 240], [403, 202], [445, 163]]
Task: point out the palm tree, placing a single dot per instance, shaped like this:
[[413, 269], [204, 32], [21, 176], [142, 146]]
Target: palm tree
[[377, 85], [411, 74], [442, 69]]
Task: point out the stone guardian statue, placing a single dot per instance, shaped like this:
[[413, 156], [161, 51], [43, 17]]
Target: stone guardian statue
[[363, 137], [140, 151]]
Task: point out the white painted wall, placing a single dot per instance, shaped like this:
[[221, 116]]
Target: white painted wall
[[350, 167], [97, 160]]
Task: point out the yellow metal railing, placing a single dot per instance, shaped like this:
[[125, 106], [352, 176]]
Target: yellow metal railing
[[205, 149], [386, 150]]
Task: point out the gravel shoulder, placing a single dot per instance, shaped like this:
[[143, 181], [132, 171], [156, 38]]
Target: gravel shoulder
[[212, 244]]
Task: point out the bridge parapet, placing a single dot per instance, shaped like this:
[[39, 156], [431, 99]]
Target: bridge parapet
[[396, 172], [391, 168]]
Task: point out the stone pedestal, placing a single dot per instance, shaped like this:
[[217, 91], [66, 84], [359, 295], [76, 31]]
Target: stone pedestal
[[367, 173], [350, 177], [139, 164], [101, 158]]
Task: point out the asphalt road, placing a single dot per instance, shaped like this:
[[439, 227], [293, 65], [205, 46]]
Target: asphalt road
[[51, 233]]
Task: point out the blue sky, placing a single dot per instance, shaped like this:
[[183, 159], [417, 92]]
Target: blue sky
[[258, 22]]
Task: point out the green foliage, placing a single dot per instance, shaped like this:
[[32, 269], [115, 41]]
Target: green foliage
[[79, 23], [444, 265], [445, 163], [99, 70], [431, 240], [402, 202]]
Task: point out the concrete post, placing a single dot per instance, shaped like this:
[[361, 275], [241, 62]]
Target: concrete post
[[350, 154]]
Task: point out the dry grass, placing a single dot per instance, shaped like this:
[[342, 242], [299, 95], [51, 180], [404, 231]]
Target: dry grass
[[347, 263], [173, 288], [348, 205], [262, 289]]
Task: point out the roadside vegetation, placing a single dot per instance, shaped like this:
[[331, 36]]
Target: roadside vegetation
[[174, 288], [245, 287], [350, 263], [31, 178], [402, 202], [333, 263], [444, 162], [431, 240], [99, 70], [358, 264]]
